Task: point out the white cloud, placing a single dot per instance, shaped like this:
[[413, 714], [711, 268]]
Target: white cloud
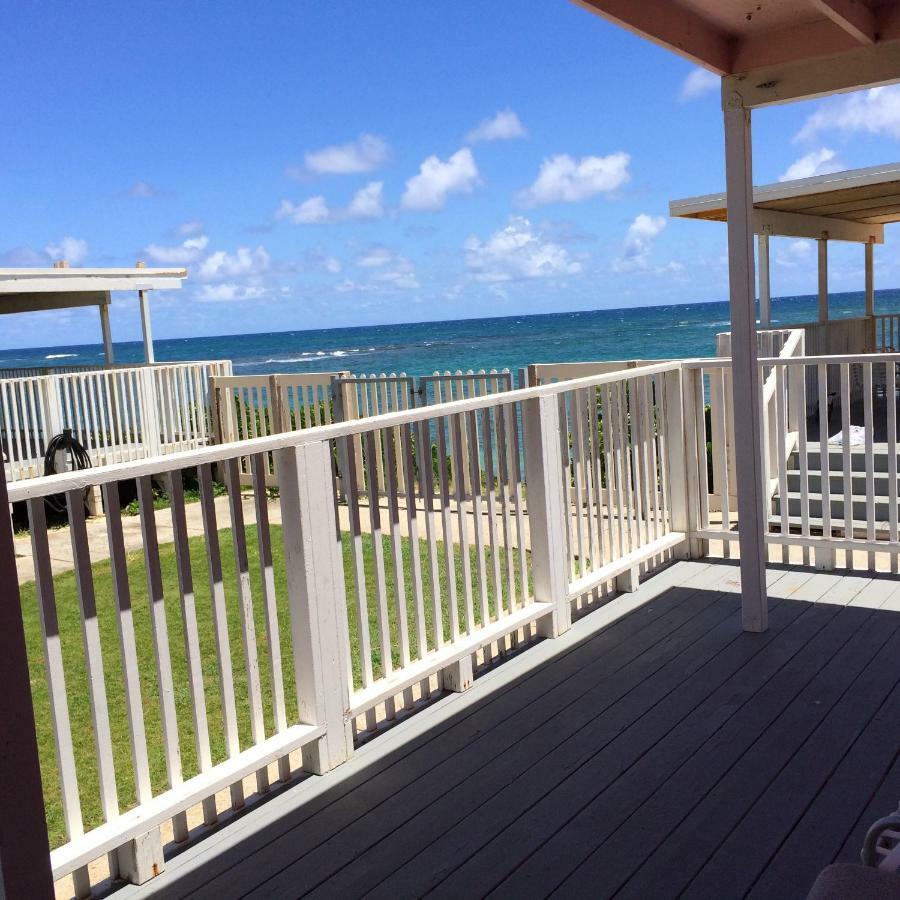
[[186, 253], [143, 189], [504, 126], [389, 268], [794, 254], [638, 240], [428, 191], [227, 292], [699, 82], [563, 179], [189, 229], [517, 252], [73, 250], [310, 212], [366, 153], [816, 162], [243, 263], [875, 111], [367, 203]]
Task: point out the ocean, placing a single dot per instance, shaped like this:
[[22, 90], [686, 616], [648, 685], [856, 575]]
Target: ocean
[[654, 332]]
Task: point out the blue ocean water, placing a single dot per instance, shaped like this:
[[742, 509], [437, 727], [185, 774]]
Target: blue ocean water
[[656, 332]]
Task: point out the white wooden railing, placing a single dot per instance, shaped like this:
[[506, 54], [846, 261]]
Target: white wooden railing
[[887, 333], [118, 414], [453, 533], [439, 581], [830, 463]]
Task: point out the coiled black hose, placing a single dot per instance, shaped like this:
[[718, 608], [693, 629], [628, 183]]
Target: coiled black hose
[[77, 459]]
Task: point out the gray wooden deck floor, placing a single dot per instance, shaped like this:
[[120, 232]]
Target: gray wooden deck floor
[[663, 754]]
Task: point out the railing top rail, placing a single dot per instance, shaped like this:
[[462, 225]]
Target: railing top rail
[[74, 371], [724, 362], [55, 484]]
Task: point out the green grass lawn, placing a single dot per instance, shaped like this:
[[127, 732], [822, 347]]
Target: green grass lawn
[[76, 679]]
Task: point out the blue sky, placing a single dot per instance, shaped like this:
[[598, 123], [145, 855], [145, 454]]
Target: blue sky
[[328, 164]]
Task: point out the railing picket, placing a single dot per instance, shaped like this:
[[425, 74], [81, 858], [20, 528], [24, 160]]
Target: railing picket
[[825, 556], [869, 426], [245, 608], [192, 653], [890, 392], [846, 457], [220, 623]]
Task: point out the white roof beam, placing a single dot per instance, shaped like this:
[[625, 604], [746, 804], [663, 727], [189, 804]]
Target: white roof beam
[[854, 16], [799, 225], [804, 79]]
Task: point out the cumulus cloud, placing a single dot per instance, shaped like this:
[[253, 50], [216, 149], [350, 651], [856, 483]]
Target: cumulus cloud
[[816, 162], [73, 250], [243, 263], [638, 241], [438, 179], [228, 292], [367, 203], [563, 179], [313, 211], [517, 252], [366, 153], [794, 254], [143, 189], [184, 254], [875, 111], [504, 126], [388, 267], [698, 83]]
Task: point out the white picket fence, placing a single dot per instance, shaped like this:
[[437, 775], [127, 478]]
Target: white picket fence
[[118, 414]]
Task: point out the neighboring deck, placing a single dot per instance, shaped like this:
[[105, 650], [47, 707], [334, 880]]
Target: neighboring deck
[[654, 749]]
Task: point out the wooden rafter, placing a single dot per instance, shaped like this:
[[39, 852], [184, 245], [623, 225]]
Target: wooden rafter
[[854, 16]]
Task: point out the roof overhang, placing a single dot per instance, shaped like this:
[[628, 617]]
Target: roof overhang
[[33, 290], [843, 206], [774, 50], [56, 281]]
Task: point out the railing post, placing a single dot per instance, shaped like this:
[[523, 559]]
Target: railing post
[[317, 600], [547, 510], [681, 449], [150, 424]]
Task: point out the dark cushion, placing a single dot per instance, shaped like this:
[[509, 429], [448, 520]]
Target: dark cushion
[[843, 881]]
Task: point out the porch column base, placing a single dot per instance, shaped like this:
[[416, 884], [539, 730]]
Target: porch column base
[[141, 858]]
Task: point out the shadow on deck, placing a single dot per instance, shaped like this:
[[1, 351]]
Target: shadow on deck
[[666, 752]]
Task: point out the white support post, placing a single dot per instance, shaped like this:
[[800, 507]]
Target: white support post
[[751, 525], [681, 452], [547, 510], [823, 278], [107, 331], [317, 600], [24, 848], [146, 330], [765, 296], [141, 858], [151, 431], [870, 280], [459, 676]]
